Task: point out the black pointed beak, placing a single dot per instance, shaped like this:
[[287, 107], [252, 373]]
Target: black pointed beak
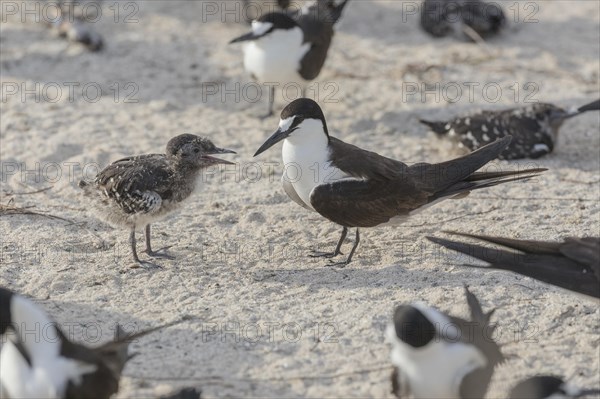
[[244, 38], [219, 151], [274, 139]]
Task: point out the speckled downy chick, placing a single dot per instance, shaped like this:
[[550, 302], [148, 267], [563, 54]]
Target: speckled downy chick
[[137, 191], [534, 128]]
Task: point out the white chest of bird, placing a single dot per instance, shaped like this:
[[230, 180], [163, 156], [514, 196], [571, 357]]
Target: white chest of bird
[[275, 58], [306, 159], [433, 376]]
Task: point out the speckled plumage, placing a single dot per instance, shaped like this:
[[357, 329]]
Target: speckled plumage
[[534, 128], [136, 191]]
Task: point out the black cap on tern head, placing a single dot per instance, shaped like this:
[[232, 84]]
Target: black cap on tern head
[[412, 326], [266, 24], [291, 117], [303, 108]]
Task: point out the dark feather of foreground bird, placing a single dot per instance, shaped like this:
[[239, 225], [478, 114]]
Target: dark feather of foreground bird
[[573, 264], [438, 355], [56, 367]]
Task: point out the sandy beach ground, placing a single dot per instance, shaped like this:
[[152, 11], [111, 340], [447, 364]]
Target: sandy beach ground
[[268, 321]]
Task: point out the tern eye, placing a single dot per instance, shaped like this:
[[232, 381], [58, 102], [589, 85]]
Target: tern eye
[[196, 150]]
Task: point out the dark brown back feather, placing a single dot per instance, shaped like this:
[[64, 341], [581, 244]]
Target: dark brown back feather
[[384, 188], [573, 264]]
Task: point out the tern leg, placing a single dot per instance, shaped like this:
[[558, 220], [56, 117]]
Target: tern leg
[[347, 261], [142, 263], [338, 248], [155, 254], [271, 102]]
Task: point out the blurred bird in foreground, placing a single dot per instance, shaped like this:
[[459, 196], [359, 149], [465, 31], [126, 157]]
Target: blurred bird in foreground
[[436, 355], [52, 366]]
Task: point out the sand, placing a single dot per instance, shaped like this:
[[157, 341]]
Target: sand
[[268, 321]]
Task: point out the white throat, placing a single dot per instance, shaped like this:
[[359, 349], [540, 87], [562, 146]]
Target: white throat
[[306, 158], [276, 56], [449, 362]]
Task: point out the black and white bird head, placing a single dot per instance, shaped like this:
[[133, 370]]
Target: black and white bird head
[[33, 366], [551, 114], [272, 26], [302, 123], [548, 387], [48, 364], [195, 151], [440, 355]]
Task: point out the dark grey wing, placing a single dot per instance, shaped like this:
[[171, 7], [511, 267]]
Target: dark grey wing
[[381, 188], [366, 203], [289, 190], [109, 360], [364, 164], [318, 31], [137, 184], [583, 250], [115, 354], [540, 264], [458, 175], [528, 246], [102, 383]]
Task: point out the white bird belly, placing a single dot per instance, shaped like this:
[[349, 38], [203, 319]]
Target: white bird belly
[[276, 57], [439, 372], [306, 168]]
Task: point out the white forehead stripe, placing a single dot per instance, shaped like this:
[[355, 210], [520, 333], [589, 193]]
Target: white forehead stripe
[[284, 124], [438, 319], [260, 28]]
